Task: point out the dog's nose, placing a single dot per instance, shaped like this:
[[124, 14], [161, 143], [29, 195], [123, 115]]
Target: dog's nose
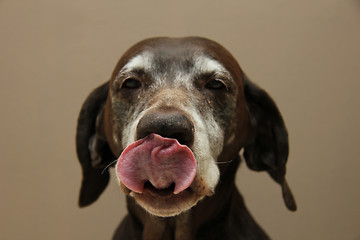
[[169, 124]]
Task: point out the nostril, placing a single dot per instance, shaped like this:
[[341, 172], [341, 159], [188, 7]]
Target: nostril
[[171, 124]]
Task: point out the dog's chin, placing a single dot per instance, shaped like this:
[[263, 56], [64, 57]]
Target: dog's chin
[[166, 205]]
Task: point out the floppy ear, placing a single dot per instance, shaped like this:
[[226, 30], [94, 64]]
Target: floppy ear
[[92, 149], [268, 149]]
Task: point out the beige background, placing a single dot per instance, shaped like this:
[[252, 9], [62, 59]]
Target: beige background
[[53, 53]]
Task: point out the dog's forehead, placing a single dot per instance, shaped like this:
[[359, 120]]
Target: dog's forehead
[[165, 55], [166, 62]]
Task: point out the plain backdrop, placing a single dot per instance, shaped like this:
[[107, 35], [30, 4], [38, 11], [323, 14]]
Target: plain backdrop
[[306, 54]]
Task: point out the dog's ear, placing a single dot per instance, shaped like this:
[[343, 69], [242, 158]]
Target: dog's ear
[[268, 148], [92, 149]]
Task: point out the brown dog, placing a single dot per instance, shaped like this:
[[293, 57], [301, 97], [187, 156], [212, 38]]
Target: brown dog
[[175, 114]]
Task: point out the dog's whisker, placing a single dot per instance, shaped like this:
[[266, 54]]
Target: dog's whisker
[[108, 166], [224, 162]]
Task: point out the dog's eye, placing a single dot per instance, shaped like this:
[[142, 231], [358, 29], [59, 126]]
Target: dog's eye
[[131, 83], [216, 85]]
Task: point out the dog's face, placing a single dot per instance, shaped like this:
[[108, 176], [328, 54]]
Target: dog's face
[[178, 89], [173, 112]]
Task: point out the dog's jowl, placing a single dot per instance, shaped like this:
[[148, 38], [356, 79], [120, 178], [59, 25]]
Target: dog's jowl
[[173, 119]]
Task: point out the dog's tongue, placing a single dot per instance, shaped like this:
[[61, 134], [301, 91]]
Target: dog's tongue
[[161, 161]]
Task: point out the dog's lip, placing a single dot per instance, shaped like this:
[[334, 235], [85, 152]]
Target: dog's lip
[[149, 189], [149, 195]]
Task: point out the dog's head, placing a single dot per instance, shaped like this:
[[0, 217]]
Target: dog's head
[[172, 110]]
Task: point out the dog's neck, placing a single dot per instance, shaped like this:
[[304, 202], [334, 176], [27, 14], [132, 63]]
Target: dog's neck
[[187, 224], [158, 228]]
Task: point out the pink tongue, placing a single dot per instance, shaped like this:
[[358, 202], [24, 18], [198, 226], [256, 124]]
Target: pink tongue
[[162, 161]]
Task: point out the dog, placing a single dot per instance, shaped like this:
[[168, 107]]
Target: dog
[[178, 116]]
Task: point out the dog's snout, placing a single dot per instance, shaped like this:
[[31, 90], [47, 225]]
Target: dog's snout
[[167, 124]]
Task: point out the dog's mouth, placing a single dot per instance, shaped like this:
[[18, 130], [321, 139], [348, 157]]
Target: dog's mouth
[[163, 192], [148, 187], [159, 173]]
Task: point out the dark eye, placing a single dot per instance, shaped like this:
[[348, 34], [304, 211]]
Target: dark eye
[[215, 85], [131, 83]]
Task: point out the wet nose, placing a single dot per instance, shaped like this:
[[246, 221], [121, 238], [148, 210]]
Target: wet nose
[[168, 124]]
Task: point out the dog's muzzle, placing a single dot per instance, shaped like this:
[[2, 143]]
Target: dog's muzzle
[[161, 159]]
